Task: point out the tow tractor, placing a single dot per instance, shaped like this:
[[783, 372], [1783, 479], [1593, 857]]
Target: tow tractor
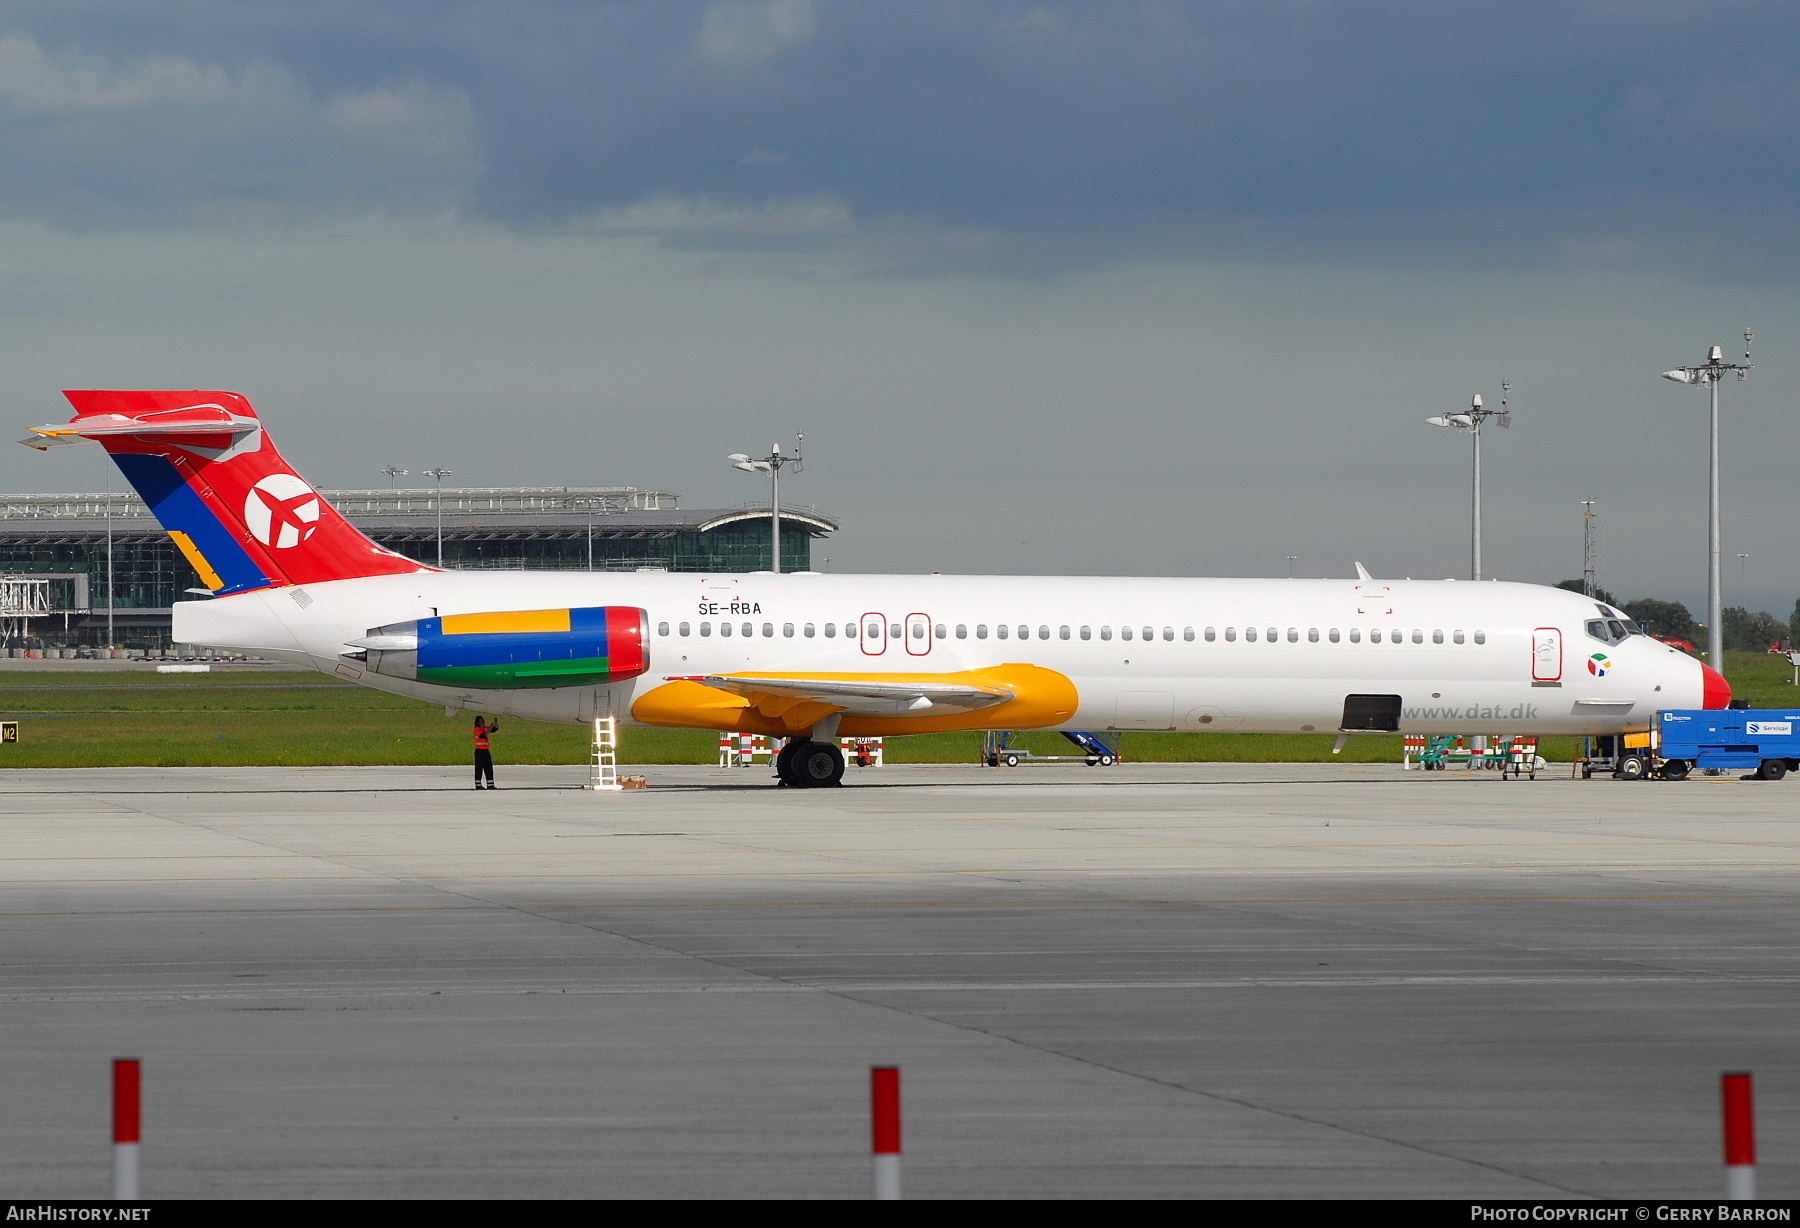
[[1764, 741]]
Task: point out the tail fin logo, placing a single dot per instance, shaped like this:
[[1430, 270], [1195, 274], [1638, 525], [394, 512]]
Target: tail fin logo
[[282, 511]]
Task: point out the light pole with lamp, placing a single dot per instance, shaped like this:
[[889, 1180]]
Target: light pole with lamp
[[439, 475], [1710, 373], [391, 473], [771, 465], [1471, 420]]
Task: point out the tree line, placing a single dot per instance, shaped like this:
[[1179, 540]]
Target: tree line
[[1744, 631]]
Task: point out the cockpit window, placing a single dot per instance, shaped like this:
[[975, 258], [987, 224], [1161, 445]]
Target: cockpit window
[[1612, 630]]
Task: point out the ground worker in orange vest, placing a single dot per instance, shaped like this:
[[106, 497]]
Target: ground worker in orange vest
[[484, 756]]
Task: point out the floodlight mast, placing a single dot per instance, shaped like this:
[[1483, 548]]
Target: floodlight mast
[[1710, 373], [1471, 421], [771, 465], [439, 474]]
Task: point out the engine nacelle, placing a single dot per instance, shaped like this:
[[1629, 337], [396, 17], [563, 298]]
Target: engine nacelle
[[514, 649]]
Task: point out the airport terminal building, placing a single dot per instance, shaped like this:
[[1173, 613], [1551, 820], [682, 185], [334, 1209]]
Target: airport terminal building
[[68, 542]]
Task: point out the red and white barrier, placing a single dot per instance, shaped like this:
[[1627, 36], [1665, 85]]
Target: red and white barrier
[[127, 1103], [1412, 747], [884, 1119], [741, 749], [1740, 1135]]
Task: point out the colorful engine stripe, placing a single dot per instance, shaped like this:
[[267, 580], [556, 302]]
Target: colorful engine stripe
[[524, 648]]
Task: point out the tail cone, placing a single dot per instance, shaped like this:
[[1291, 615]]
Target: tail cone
[[1718, 691]]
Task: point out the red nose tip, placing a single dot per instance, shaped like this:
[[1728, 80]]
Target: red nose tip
[[1718, 691]]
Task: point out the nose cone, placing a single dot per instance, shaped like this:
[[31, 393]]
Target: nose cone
[[1718, 691]]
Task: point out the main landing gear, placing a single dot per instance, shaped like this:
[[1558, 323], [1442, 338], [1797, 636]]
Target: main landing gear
[[809, 765]]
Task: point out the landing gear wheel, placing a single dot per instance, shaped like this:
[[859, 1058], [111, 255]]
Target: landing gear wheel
[[784, 763], [1632, 767], [1676, 769], [1772, 769], [818, 765]]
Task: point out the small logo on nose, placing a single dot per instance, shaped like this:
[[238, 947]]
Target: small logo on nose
[[1599, 665]]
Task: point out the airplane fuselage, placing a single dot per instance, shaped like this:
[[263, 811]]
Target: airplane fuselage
[[1184, 654]]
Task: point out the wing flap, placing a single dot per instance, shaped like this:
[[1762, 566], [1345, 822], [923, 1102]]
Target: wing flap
[[863, 696]]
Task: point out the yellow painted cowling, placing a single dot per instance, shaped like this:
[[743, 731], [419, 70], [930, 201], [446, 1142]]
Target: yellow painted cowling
[[1042, 699]]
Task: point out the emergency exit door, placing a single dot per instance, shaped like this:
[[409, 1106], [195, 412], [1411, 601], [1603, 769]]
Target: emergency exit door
[[918, 634]]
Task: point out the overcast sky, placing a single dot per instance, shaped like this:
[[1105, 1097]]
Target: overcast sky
[[1134, 288]]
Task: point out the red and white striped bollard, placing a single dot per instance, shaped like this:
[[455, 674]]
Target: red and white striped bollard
[[1740, 1135], [884, 1118], [127, 1104]]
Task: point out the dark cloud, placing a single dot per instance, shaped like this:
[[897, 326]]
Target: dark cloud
[[1000, 135]]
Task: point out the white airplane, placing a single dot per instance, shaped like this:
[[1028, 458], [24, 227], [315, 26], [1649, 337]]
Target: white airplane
[[807, 657]]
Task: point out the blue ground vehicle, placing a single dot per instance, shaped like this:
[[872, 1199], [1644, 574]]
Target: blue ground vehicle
[[1765, 741]]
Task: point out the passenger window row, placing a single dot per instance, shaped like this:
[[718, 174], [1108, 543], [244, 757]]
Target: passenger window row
[[873, 631]]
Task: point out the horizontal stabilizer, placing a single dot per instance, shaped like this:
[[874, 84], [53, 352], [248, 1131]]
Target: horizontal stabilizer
[[186, 420]]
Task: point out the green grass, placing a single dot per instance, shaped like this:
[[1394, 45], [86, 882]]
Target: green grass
[[134, 719]]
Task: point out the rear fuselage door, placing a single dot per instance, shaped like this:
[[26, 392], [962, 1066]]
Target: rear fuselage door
[[1546, 655]]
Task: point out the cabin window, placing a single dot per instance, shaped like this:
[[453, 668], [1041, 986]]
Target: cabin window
[[872, 631], [1124, 633], [1294, 635], [807, 631], [769, 630], [1149, 633], [1187, 633], [1312, 635], [1106, 633], [962, 631], [685, 628], [894, 631], [1456, 636], [831, 631], [1249, 635], [750, 629], [939, 631], [1025, 632], [1044, 633], [787, 630], [1418, 636], [1437, 637], [1332, 635], [1374, 635], [1210, 635], [1087, 633], [981, 631], [1481, 637], [1001, 631], [662, 628], [1396, 635], [1062, 633], [918, 631], [1356, 635], [1272, 635], [1230, 634]]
